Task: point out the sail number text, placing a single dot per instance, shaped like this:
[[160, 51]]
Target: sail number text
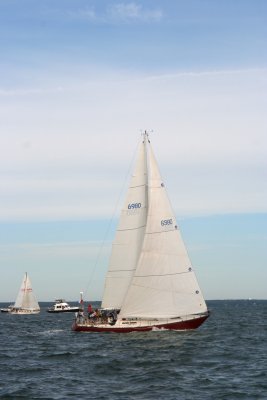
[[132, 206], [166, 222]]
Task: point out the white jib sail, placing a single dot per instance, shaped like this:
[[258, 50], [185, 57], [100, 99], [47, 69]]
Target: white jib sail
[[26, 299], [129, 237], [164, 284]]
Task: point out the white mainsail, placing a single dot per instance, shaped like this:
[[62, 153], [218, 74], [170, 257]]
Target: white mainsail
[[26, 299], [129, 237], [163, 284]]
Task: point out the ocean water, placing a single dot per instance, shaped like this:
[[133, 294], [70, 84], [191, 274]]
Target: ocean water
[[226, 358]]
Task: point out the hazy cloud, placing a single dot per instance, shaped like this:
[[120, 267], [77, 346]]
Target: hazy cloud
[[67, 156], [118, 13], [87, 13], [131, 12]]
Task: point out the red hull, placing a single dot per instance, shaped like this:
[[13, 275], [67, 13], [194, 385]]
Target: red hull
[[177, 326]]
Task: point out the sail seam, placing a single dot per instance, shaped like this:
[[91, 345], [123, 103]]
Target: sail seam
[[132, 187], [165, 290], [147, 276], [151, 233], [130, 229], [121, 270]]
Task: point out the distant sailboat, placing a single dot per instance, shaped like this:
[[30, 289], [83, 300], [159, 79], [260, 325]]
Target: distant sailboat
[[26, 302], [150, 283]]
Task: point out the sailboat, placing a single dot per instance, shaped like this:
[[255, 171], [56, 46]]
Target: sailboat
[[26, 302], [150, 282]]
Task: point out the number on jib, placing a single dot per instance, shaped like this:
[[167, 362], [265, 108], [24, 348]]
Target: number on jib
[[166, 222], [134, 205]]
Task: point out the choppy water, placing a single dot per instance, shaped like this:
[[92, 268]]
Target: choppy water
[[226, 358]]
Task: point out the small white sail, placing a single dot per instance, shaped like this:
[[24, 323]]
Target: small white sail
[[26, 299], [129, 236], [164, 284]]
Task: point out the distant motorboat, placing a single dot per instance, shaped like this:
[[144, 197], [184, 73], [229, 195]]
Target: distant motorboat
[[61, 306], [26, 302], [8, 309]]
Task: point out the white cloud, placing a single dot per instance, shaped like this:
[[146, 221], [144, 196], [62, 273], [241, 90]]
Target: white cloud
[[87, 13], [118, 13], [132, 12], [66, 153]]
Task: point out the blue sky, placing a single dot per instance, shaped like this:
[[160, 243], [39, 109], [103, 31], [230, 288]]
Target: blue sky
[[78, 81]]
